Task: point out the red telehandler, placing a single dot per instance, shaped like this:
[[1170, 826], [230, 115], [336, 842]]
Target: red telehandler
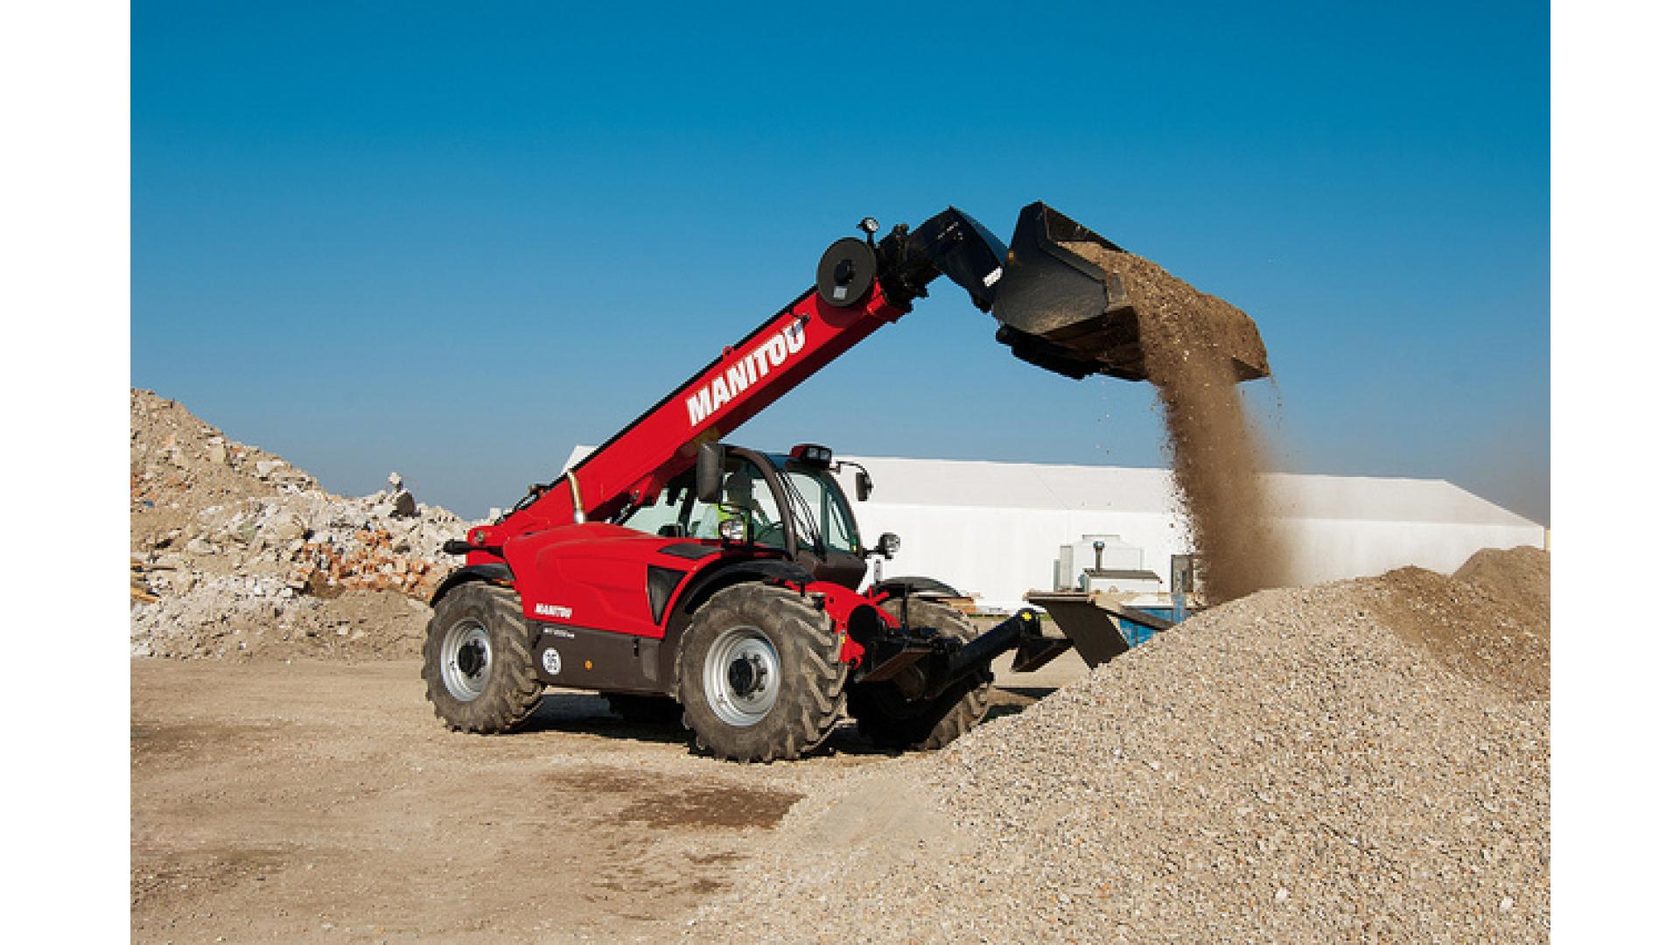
[[669, 570]]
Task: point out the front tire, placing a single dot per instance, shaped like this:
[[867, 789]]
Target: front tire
[[888, 719], [759, 675], [478, 669]]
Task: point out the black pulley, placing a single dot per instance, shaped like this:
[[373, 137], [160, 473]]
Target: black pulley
[[846, 272]]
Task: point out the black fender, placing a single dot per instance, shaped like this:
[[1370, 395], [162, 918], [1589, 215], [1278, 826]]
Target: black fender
[[911, 585], [701, 588], [709, 582], [494, 573]]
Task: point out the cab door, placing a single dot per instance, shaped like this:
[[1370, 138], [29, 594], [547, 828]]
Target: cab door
[[841, 559]]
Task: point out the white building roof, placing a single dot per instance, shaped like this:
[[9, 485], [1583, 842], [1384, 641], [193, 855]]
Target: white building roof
[[981, 484], [984, 484]]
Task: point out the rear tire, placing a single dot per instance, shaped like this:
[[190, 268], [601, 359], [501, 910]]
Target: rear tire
[[478, 669], [759, 675], [887, 718]]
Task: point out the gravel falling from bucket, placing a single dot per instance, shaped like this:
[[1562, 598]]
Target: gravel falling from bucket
[[1189, 340]]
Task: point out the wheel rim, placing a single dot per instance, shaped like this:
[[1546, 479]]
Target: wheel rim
[[741, 676], [466, 660]]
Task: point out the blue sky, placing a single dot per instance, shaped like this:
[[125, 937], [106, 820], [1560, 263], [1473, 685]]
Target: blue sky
[[454, 240]]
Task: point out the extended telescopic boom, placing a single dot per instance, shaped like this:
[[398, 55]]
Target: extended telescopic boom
[[1056, 309]]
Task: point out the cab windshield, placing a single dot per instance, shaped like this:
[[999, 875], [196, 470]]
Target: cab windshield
[[821, 517], [831, 517]]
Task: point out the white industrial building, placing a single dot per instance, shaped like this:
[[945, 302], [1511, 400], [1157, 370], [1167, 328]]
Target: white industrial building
[[998, 530]]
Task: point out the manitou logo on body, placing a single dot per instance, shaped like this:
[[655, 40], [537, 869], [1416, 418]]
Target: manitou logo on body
[[737, 378], [552, 610]]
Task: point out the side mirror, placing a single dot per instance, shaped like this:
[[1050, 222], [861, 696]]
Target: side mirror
[[887, 546], [708, 472], [865, 485]]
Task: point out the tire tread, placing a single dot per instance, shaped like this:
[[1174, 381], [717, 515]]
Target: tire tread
[[514, 691], [811, 663]]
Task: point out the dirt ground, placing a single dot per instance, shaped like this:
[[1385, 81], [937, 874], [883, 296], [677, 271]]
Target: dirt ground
[[322, 802]]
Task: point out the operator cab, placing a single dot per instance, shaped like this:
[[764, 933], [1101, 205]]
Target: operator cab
[[788, 502]]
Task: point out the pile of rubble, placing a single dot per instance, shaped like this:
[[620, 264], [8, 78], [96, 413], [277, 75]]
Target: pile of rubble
[[1289, 767], [235, 551]]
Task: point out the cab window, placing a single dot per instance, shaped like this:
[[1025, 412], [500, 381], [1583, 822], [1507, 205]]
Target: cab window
[[746, 494], [833, 517], [667, 514]]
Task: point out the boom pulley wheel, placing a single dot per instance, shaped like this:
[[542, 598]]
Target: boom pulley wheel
[[846, 272]]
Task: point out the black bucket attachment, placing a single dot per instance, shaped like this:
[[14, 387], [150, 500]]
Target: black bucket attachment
[[1096, 623], [1060, 309]]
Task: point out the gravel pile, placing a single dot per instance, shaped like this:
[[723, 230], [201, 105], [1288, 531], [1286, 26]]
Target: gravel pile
[[1290, 767], [1521, 579], [235, 552]]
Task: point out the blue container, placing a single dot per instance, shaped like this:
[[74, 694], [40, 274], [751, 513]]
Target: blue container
[[1137, 634]]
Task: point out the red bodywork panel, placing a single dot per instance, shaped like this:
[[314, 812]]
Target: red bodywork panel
[[594, 576]]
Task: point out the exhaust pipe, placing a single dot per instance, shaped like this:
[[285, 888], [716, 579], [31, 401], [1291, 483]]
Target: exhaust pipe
[[1070, 301]]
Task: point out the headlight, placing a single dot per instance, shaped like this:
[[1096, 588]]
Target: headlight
[[733, 529], [889, 544]]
